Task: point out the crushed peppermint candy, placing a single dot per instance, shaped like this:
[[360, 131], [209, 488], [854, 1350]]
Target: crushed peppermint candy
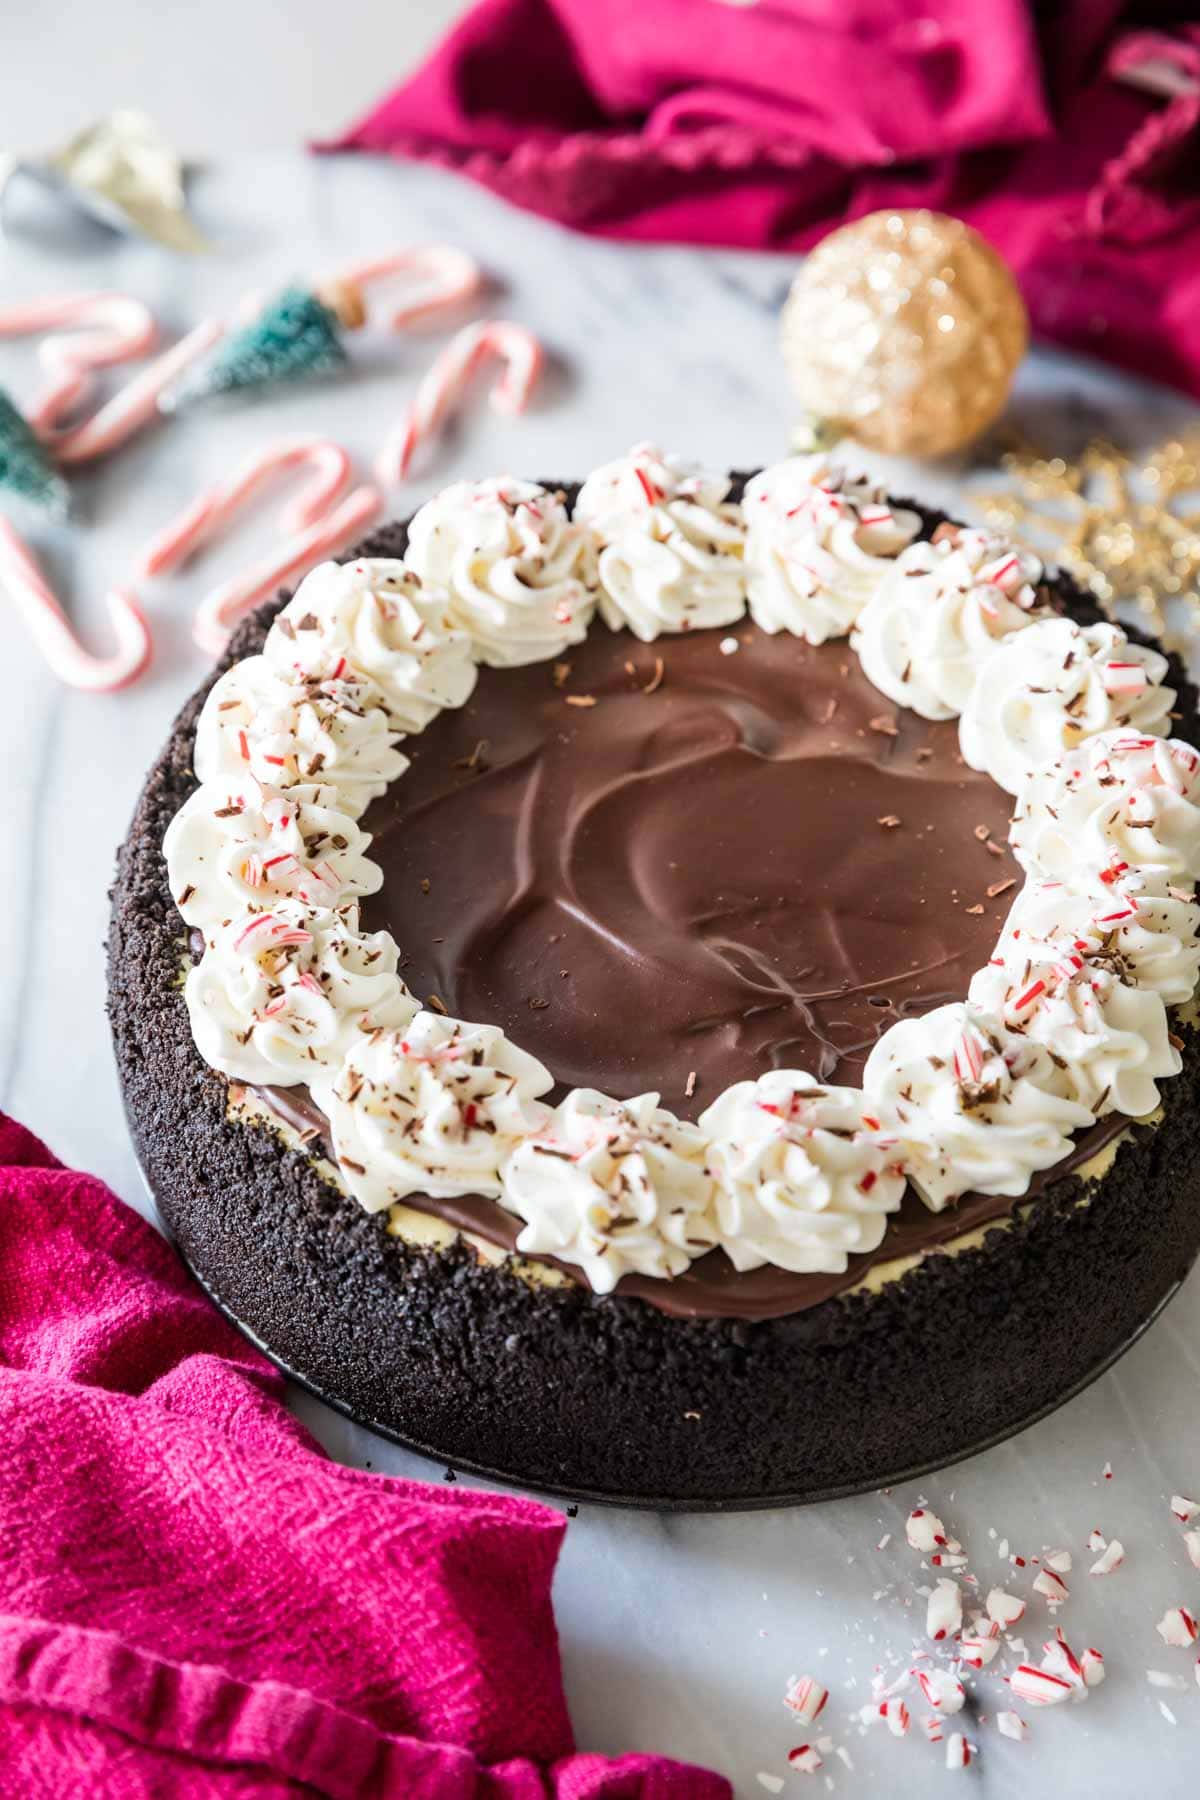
[[806, 1698], [1178, 1627], [1111, 1558], [1039, 1687], [924, 1530], [1191, 1543], [1005, 1609], [806, 1758], [1012, 1725], [959, 1753], [1185, 1510], [943, 1615], [1051, 1586]]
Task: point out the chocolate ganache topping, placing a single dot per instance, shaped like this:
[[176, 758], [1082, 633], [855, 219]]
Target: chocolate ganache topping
[[670, 869]]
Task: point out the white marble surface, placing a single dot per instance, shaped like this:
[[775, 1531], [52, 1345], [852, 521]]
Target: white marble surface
[[678, 1634]]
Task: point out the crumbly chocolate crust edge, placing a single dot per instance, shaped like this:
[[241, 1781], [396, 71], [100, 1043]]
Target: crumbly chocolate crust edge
[[568, 1391]]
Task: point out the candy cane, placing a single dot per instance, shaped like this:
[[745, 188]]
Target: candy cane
[[444, 385], [317, 522], [220, 609], [26, 587], [138, 401], [102, 329], [452, 278], [217, 505]]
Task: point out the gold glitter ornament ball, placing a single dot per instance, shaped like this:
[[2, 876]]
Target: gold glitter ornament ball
[[905, 330]]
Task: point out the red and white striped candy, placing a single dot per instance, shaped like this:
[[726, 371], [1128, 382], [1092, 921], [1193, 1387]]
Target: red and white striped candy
[[977, 1650], [1185, 1510], [943, 1615], [1178, 1627], [316, 524], [895, 1716], [1004, 1608], [1111, 1557], [931, 1725], [1051, 1586], [806, 1698], [137, 403], [806, 1758], [1096, 1541], [1092, 1665], [924, 1530], [1058, 1658], [1039, 1687], [968, 1056], [959, 1752], [1124, 678], [1012, 1725], [942, 1690], [96, 330], [445, 383], [446, 279], [22, 582], [1058, 1560]]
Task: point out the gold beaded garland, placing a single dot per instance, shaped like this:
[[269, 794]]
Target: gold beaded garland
[[904, 330]]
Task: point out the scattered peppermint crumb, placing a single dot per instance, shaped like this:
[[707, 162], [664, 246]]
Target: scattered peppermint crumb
[[772, 1783], [1107, 1471], [1166, 1712], [728, 646]]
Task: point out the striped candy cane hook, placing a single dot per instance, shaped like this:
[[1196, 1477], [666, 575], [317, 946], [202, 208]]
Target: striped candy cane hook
[[443, 387], [447, 279], [24, 584], [316, 523]]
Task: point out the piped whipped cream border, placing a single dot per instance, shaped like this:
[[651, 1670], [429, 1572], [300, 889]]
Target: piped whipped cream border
[[1068, 1022]]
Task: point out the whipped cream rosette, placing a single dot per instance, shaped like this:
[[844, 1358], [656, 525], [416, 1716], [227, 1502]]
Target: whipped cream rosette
[[938, 613], [1122, 800], [433, 1108], [518, 572], [670, 544], [616, 1187], [286, 732], [1052, 686], [944, 1083], [240, 847], [279, 996], [806, 1176], [1149, 924], [818, 543], [1108, 1042], [375, 620]]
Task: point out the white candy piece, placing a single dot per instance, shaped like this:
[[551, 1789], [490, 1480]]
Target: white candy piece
[[818, 544], [1111, 1558], [375, 620], [942, 1689], [959, 1752], [517, 571], [806, 1698], [1051, 1586], [1092, 1665], [617, 1187], [1049, 687], [805, 1758], [1177, 1627], [943, 1615], [977, 1649], [670, 546], [1012, 1725], [937, 615], [1185, 1510], [1191, 1543], [924, 1530], [1039, 1687], [1004, 1608]]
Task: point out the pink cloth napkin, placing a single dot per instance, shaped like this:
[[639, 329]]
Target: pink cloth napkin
[[195, 1601], [765, 124]]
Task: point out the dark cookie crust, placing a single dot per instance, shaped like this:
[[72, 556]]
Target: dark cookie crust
[[608, 1397]]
